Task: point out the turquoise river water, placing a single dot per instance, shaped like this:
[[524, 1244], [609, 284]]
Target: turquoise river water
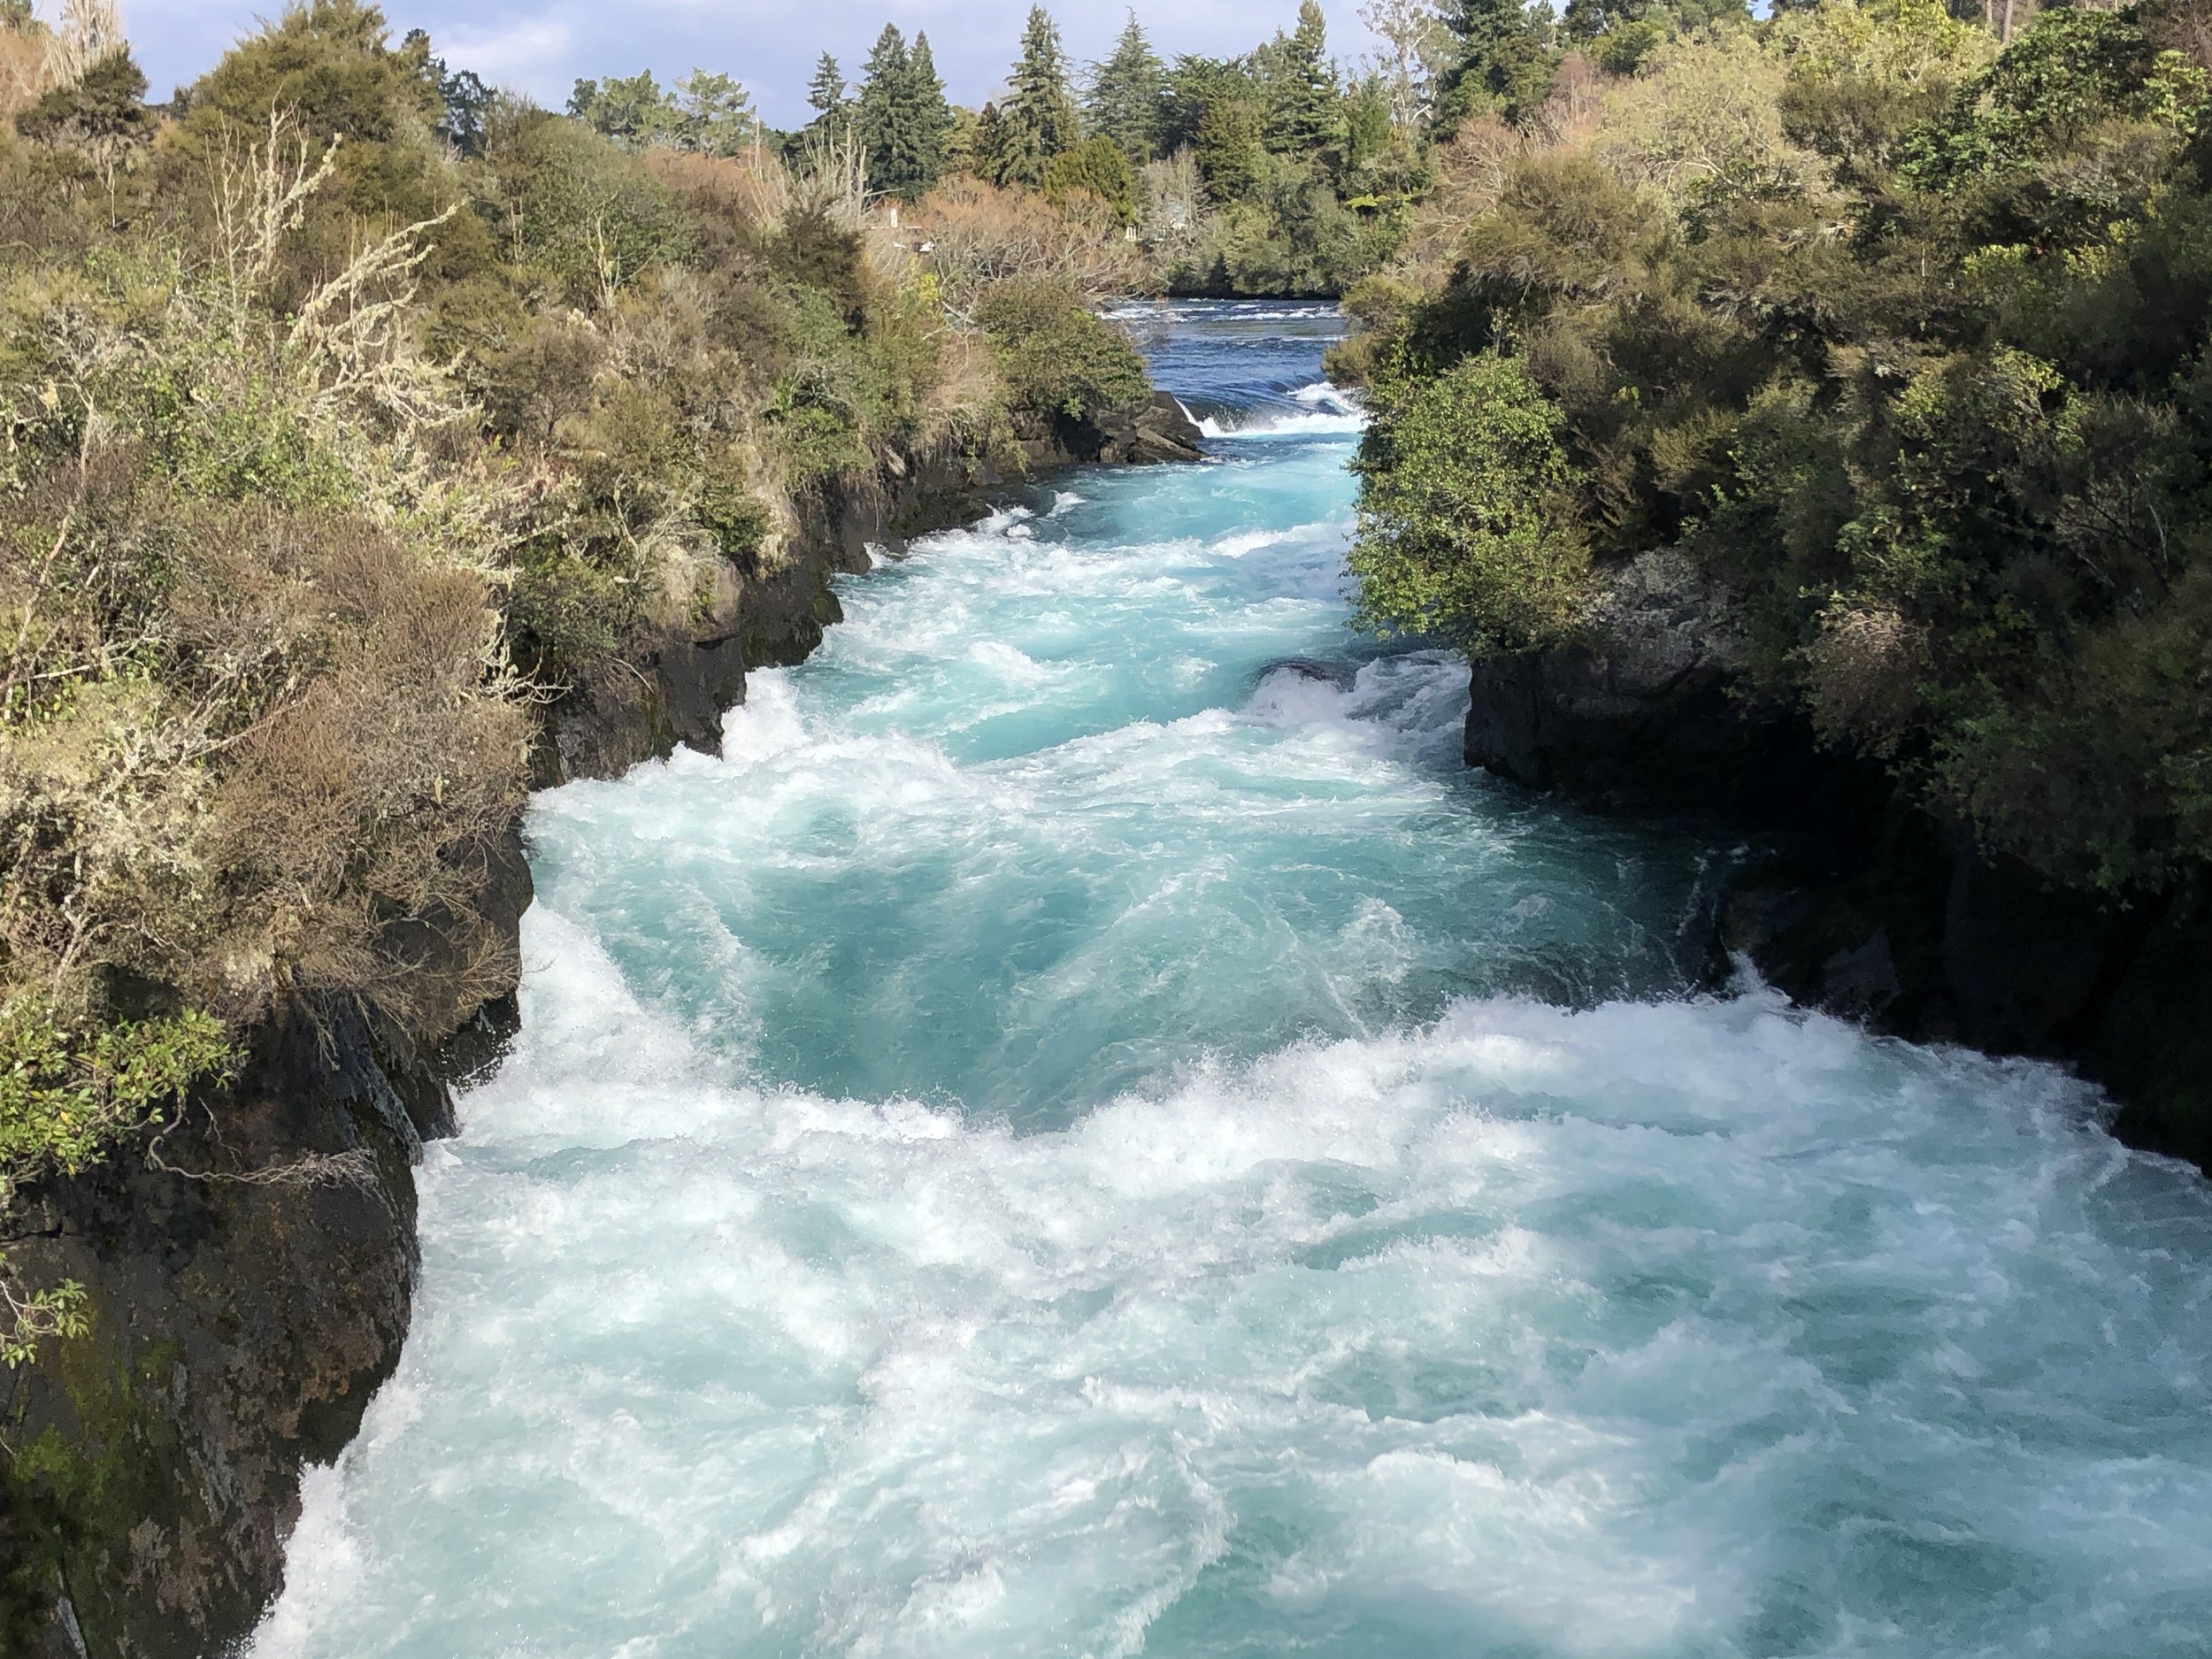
[[1088, 1131]]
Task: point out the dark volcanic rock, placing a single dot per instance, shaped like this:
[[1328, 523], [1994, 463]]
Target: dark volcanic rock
[[676, 693], [1152, 431], [1155, 432], [246, 1301], [1864, 906], [1639, 717], [2152, 1042], [677, 690], [249, 1283], [1929, 939]]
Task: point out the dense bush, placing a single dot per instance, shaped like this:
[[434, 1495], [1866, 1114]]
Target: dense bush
[[1465, 526], [1057, 357], [1904, 341]]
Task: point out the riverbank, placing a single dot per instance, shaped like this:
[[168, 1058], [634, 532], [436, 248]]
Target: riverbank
[[1867, 907]]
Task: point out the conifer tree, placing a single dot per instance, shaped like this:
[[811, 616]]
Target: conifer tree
[[1127, 94], [826, 97], [901, 117], [1194, 85], [932, 115], [1038, 120], [1303, 115], [985, 142], [1228, 151], [1507, 63], [883, 116]]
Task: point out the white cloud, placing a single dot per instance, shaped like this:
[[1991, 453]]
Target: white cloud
[[523, 54]]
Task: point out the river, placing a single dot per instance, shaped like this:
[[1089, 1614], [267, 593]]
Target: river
[[1088, 1131]]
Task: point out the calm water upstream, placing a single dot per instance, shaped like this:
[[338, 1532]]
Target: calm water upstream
[[1089, 1132]]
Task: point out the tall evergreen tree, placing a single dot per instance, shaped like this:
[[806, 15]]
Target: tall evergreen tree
[[901, 118], [1303, 113], [1507, 63], [826, 97], [932, 115], [1194, 85], [1228, 151], [1038, 120], [985, 142], [883, 116], [1128, 96]]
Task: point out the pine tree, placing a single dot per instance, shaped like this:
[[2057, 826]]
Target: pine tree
[[1194, 85], [932, 115], [901, 118], [1303, 115], [1228, 151], [984, 145], [1127, 96], [883, 116], [1038, 121], [1507, 63], [826, 97]]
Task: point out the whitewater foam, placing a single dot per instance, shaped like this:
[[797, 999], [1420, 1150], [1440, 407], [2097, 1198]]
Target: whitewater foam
[[1497, 1326], [1087, 1130], [1324, 410]]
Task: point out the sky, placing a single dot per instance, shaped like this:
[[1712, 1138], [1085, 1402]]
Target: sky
[[770, 46]]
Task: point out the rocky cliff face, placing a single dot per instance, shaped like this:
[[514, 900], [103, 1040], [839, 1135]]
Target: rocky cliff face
[[249, 1286], [1642, 718], [247, 1298], [776, 616], [1861, 904], [251, 1289]]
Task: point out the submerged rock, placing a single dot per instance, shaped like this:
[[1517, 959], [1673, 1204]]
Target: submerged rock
[[1152, 431], [1159, 432], [1341, 675]]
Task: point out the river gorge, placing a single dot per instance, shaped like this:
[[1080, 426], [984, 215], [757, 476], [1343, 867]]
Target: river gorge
[[1088, 1130]]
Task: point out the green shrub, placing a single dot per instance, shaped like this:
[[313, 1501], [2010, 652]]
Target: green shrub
[[1465, 530], [1056, 354], [1904, 348], [591, 214], [1098, 167], [71, 1091]]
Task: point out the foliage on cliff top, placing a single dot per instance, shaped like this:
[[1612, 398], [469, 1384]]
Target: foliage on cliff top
[[1057, 357], [258, 715], [1905, 341], [1465, 530]]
